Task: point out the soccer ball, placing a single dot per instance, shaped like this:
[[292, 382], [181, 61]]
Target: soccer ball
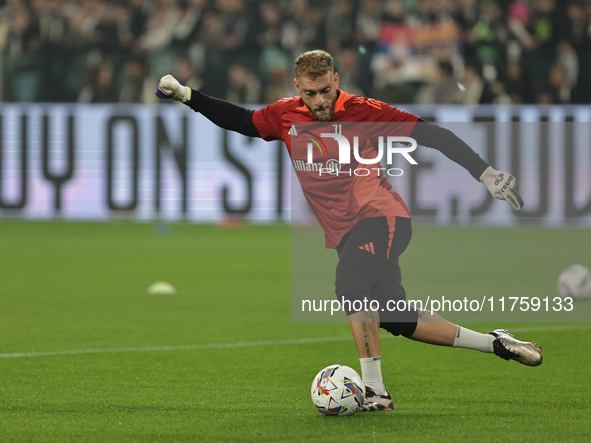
[[338, 390], [575, 282]]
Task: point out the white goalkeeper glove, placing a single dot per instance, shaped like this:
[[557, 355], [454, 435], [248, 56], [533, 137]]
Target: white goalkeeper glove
[[502, 186], [169, 87]]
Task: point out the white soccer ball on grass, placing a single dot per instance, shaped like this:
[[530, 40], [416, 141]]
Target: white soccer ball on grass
[[338, 390], [575, 282]]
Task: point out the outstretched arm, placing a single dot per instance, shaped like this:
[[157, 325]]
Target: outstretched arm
[[224, 114], [501, 185], [436, 137]]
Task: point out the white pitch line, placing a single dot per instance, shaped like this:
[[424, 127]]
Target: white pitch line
[[297, 341], [178, 348]]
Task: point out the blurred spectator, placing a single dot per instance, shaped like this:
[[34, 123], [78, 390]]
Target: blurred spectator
[[520, 32], [445, 90], [157, 39], [443, 10], [567, 58], [390, 85], [559, 87], [475, 89], [189, 22], [280, 85], [367, 25], [301, 29], [137, 18], [136, 84], [214, 76], [543, 96], [577, 35], [517, 86], [395, 12], [340, 24], [186, 41], [353, 77], [185, 73], [26, 60], [425, 13], [100, 85], [273, 56], [543, 26], [160, 27], [243, 86], [229, 32], [488, 36], [467, 13], [238, 40]]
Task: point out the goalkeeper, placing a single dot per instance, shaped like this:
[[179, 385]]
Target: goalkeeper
[[362, 217]]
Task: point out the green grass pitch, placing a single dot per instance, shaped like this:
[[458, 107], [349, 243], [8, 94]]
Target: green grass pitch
[[87, 355]]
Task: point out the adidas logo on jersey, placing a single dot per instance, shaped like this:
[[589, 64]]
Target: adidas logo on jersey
[[368, 247]]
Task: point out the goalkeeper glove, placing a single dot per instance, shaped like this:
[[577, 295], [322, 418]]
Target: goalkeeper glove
[[169, 87], [502, 186]]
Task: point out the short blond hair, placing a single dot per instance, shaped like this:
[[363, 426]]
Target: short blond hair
[[314, 64]]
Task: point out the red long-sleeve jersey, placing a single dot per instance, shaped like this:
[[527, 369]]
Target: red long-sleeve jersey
[[339, 195]]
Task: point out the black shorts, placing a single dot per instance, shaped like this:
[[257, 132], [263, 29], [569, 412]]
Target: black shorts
[[368, 270]]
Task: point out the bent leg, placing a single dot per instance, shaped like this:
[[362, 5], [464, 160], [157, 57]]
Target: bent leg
[[433, 329]]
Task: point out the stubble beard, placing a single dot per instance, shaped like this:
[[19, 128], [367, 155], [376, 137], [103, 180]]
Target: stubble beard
[[324, 116]]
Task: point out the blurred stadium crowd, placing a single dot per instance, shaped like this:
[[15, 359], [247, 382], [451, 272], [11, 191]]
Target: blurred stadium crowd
[[399, 51]]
